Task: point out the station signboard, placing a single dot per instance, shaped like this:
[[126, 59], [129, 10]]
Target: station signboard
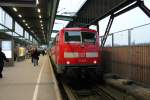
[[7, 48], [18, 3], [21, 51]]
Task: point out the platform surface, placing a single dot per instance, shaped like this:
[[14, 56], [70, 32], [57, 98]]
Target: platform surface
[[23, 81]]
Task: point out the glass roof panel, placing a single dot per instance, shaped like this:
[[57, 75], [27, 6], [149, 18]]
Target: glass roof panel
[[53, 35], [67, 8], [147, 3], [59, 24]]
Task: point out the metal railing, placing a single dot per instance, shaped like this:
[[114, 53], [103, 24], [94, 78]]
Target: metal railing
[[133, 36]]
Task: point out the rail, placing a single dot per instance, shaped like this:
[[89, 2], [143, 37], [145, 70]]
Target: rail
[[94, 93]]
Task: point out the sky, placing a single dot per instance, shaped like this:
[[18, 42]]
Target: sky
[[131, 19]]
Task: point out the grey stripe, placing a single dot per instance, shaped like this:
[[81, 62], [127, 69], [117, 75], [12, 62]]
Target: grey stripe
[[91, 54], [71, 55]]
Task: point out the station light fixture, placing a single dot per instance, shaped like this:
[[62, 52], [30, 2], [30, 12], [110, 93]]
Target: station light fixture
[[37, 1], [41, 25], [24, 20], [38, 10], [29, 27], [40, 21], [15, 9], [26, 24], [40, 16], [20, 15]]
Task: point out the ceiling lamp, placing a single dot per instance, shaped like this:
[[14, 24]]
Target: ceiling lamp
[[37, 1], [39, 10], [40, 16], [15, 9], [20, 15], [26, 24], [24, 20]]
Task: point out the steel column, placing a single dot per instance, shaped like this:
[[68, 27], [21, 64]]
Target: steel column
[[107, 30], [129, 56], [97, 25]]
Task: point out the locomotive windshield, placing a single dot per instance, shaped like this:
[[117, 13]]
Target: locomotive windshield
[[77, 36], [72, 36]]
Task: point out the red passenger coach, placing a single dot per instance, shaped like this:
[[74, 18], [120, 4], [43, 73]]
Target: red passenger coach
[[76, 48]]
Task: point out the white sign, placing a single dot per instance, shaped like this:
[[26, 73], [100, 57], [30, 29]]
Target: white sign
[[7, 48]]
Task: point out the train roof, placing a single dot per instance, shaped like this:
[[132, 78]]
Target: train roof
[[78, 29]]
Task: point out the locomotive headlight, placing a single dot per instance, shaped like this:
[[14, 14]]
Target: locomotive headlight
[[94, 61], [67, 62]]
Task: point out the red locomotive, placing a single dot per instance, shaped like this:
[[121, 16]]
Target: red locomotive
[[76, 48]]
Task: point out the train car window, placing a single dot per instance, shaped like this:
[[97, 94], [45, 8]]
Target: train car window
[[88, 37], [73, 36]]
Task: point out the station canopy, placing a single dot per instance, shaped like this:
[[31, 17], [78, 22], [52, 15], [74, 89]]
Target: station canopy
[[26, 3], [81, 13], [49, 16]]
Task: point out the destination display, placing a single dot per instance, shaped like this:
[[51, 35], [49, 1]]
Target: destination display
[[7, 48]]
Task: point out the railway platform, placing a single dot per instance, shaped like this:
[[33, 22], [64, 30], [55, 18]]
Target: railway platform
[[23, 81]]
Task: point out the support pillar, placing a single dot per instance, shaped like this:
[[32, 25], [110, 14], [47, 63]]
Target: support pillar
[[107, 30]]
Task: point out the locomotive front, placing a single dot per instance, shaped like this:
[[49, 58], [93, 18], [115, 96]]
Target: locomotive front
[[79, 50]]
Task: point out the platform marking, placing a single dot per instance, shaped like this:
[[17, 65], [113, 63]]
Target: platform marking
[[37, 83], [58, 95]]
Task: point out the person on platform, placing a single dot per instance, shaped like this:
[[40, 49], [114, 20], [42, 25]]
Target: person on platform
[[35, 57], [2, 58], [31, 52]]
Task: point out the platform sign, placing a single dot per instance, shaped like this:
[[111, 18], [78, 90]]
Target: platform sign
[[7, 48], [18, 3], [21, 51]]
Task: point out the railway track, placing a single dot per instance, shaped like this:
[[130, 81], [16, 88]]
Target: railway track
[[95, 93], [105, 94], [84, 91]]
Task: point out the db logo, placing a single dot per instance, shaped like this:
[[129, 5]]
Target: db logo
[[82, 54]]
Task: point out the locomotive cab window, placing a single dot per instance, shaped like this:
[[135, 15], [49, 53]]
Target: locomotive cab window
[[72, 36], [77, 36], [88, 37]]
